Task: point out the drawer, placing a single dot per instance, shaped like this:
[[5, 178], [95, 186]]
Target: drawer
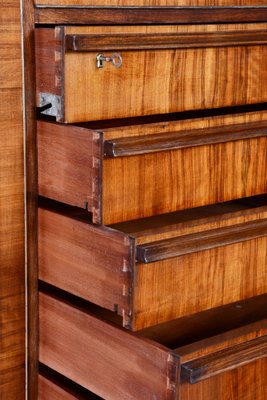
[[117, 364], [158, 269], [148, 69], [135, 171], [53, 386]]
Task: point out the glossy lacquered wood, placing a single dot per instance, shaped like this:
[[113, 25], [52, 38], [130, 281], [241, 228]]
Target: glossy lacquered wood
[[162, 269], [117, 364], [186, 67], [118, 173]]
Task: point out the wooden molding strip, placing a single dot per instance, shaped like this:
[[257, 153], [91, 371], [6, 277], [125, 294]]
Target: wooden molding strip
[[148, 15], [144, 41], [137, 145], [224, 360], [187, 244]]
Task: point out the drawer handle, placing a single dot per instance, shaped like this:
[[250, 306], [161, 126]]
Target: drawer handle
[[224, 360], [115, 59], [201, 241]]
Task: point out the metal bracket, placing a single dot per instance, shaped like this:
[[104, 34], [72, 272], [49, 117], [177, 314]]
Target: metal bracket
[[54, 100]]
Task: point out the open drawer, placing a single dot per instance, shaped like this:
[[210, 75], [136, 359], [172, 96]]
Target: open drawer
[[186, 360], [122, 173], [160, 268], [105, 72]]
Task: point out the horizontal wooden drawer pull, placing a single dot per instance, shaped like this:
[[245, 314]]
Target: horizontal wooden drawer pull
[[97, 42], [224, 360], [127, 146], [174, 247]]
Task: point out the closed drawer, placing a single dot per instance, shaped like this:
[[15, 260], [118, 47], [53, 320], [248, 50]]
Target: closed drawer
[[157, 69], [136, 171], [116, 364], [158, 269]]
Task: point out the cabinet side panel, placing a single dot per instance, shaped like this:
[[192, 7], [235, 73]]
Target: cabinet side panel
[[12, 264]]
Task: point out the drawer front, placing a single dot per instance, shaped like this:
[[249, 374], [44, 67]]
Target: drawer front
[[246, 382], [131, 177], [162, 69], [172, 278], [190, 283], [116, 364]]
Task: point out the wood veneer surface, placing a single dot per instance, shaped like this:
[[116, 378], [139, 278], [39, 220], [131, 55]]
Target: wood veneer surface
[[170, 3], [12, 304]]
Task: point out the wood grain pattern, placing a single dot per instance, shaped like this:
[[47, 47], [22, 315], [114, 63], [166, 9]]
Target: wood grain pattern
[[69, 166], [120, 42], [198, 219], [200, 281], [247, 382], [73, 172], [71, 255], [136, 145], [12, 285], [188, 244], [151, 15], [53, 386], [86, 349], [205, 367], [148, 3], [215, 81], [198, 176]]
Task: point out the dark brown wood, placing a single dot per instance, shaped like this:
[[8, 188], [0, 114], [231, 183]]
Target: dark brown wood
[[168, 248], [31, 198], [129, 146], [225, 360], [128, 41], [151, 15]]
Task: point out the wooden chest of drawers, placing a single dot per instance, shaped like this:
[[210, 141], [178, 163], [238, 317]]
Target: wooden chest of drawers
[[136, 171], [152, 176], [156, 69]]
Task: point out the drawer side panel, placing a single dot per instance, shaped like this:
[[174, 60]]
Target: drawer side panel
[[84, 260], [106, 360]]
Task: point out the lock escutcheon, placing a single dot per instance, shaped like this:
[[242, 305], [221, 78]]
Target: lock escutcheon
[[115, 59]]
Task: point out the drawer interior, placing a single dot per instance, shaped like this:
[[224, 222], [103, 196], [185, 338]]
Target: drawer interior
[[198, 219]]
